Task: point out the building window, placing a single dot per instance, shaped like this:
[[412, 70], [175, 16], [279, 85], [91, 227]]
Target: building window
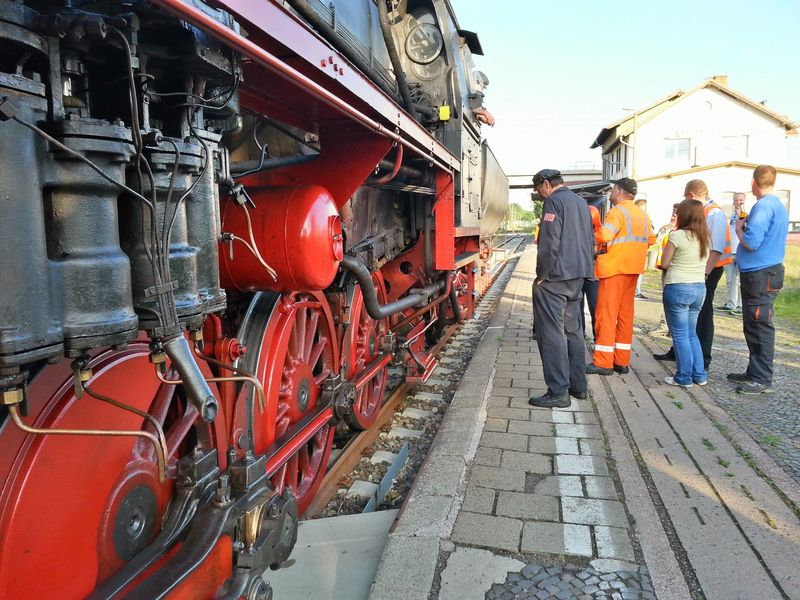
[[677, 148], [734, 146]]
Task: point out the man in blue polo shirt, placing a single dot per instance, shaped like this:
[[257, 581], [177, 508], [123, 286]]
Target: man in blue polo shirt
[[762, 246]]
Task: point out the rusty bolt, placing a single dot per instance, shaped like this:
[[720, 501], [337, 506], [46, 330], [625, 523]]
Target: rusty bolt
[[158, 358]]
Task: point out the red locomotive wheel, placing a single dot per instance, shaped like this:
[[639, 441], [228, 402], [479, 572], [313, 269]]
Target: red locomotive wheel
[[361, 345], [73, 509], [291, 347]]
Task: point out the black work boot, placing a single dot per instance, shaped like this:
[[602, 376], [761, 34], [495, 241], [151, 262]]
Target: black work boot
[[579, 395], [593, 369], [622, 369], [668, 355], [550, 400]]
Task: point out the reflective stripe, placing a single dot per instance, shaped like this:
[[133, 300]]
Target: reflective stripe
[[611, 227], [599, 348], [619, 346], [629, 237]]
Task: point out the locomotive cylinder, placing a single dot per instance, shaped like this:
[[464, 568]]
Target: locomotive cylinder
[[202, 218], [88, 265], [296, 229], [30, 328], [136, 228]]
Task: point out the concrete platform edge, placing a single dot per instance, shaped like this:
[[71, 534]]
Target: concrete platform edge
[[426, 519]]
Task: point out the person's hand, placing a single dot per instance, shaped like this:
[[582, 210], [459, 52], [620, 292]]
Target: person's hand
[[740, 225], [484, 116]]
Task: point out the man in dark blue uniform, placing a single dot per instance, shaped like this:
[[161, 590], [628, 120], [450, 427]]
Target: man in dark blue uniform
[[564, 260]]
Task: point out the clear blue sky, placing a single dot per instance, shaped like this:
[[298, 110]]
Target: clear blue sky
[[560, 71]]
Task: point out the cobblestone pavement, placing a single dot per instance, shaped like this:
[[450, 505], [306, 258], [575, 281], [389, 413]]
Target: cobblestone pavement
[[536, 582], [773, 420]]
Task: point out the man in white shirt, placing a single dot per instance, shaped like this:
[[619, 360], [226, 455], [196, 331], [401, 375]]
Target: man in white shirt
[[734, 302]]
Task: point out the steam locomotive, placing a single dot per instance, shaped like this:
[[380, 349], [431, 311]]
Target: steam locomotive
[[220, 224]]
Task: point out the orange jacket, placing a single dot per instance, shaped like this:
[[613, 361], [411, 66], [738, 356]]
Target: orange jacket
[[727, 253], [627, 234], [595, 218]]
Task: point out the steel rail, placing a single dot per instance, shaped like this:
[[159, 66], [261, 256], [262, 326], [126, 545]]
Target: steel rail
[[226, 35]]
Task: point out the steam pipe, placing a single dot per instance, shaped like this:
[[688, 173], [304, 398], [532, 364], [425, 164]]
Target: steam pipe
[[398, 162], [270, 163], [397, 67], [418, 313], [454, 305], [196, 386], [416, 297]]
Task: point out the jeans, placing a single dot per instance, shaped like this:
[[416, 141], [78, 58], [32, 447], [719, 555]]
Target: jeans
[[759, 290], [682, 303]]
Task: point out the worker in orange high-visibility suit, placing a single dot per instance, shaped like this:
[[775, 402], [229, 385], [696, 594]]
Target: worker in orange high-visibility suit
[[626, 234]]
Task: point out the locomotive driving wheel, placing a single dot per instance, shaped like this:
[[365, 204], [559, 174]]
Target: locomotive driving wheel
[[73, 508], [291, 347], [362, 343]]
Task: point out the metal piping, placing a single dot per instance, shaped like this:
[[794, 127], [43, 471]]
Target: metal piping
[[197, 388], [397, 67], [416, 297], [255, 166], [398, 162], [266, 59], [454, 305]]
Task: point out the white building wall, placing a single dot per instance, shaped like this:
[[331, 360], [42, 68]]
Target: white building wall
[[722, 183], [718, 129]]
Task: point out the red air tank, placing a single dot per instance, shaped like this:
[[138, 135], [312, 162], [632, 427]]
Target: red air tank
[[297, 232]]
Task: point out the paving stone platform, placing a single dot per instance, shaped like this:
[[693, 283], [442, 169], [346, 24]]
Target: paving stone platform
[[643, 491]]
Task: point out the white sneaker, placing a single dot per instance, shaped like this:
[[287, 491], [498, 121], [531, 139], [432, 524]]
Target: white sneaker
[[702, 383], [671, 381]]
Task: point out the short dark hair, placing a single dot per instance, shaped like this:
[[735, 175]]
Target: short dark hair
[[556, 180]]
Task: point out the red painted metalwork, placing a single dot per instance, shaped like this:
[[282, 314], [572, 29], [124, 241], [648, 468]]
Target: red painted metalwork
[[265, 17], [217, 567], [347, 157], [370, 373], [361, 345], [298, 351], [88, 478], [404, 272], [296, 230], [444, 212]]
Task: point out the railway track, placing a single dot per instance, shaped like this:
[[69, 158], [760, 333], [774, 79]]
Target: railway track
[[409, 417]]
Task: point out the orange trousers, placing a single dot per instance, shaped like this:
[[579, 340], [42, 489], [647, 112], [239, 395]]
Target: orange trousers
[[614, 327]]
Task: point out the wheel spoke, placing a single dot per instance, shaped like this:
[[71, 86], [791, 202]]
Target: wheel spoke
[[162, 402], [179, 429], [316, 353], [311, 331], [300, 331]]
